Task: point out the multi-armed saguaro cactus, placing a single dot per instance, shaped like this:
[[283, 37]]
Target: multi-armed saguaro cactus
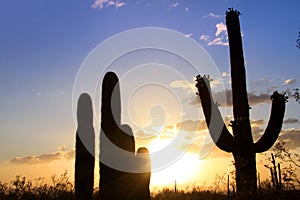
[[240, 144], [85, 149], [115, 183]]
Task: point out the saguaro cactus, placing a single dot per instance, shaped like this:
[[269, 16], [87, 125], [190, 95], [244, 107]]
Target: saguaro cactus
[[114, 183], [241, 143], [85, 150], [143, 179]]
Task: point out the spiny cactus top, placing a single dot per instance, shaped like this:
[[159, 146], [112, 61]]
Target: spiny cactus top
[[232, 11]]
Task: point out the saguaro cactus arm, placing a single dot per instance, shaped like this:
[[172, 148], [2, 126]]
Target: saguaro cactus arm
[[111, 102], [217, 129], [110, 129], [274, 125]]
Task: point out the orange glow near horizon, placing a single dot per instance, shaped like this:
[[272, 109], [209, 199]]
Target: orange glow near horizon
[[183, 171]]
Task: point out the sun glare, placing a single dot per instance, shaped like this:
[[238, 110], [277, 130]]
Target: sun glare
[[185, 165], [158, 144], [183, 171]]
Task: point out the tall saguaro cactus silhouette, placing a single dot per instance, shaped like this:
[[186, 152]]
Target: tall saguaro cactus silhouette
[[84, 160], [115, 183], [241, 143]]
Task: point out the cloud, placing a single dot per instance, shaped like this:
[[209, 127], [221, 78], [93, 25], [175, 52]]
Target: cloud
[[225, 74], [221, 37], [174, 5], [258, 98], [218, 41], [257, 123], [291, 136], [221, 28], [61, 154], [212, 15], [208, 150], [204, 37], [290, 81], [189, 87], [291, 121], [191, 125], [120, 4], [262, 83], [256, 128], [186, 85], [253, 98], [141, 134], [188, 35], [107, 3]]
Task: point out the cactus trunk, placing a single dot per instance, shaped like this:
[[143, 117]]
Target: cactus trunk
[[110, 120], [244, 154], [85, 150], [241, 143], [115, 183], [245, 168]]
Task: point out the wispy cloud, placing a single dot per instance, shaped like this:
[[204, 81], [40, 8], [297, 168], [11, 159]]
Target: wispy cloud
[[253, 98], [186, 85], [218, 41], [61, 154], [212, 15], [174, 5], [290, 81], [291, 121], [262, 83], [291, 136], [204, 37], [225, 74], [99, 4], [189, 87], [191, 125], [188, 35], [221, 28], [220, 37]]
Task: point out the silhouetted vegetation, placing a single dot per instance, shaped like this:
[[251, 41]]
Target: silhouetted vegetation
[[85, 149], [288, 162], [60, 187], [241, 143], [117, 146]]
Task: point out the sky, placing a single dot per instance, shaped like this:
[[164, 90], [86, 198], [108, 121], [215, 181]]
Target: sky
[[43, 44]]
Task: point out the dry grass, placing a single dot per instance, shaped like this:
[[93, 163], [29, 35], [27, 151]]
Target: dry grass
[[60, 187]]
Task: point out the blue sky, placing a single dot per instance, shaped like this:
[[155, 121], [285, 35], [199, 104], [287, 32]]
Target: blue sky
[[43, 43]]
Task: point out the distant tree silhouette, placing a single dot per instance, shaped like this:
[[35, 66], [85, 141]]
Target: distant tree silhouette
[[241, 143], [84, 160], [114, 183], [290, 164]]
